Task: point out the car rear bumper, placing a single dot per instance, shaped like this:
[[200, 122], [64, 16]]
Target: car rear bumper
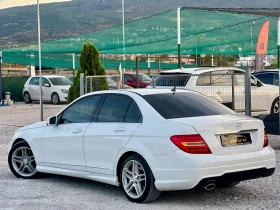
[[182, 171]]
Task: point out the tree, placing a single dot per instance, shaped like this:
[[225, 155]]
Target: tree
[[90, 65]]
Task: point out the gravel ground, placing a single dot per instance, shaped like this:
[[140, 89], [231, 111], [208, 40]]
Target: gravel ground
[[59, 192]]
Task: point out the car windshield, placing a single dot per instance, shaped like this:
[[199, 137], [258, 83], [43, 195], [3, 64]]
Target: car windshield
[[111, 82], [144, 78], [188, 104], [59, 81]]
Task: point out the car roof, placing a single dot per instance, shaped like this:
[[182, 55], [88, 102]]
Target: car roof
[[141, 91], [199, 70], [266, 71], [51, 76]]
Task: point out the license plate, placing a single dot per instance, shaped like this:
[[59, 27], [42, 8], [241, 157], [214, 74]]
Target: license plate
[[236, 139]]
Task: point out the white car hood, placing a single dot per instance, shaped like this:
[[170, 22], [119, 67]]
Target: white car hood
[[33, 126], [65, 87]]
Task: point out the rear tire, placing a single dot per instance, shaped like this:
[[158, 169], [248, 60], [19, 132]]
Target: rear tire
[[27, 98], [22, 162], [55, 99], [275, 106], [137, 180]]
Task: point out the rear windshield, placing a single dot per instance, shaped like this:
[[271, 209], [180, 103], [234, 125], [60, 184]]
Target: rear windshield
[[144, 78], [188, 104], [178, 80]]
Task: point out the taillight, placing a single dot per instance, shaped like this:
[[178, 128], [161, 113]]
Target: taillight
[[265, 143], [193, 144]]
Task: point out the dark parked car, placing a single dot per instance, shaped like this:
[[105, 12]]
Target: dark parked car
[[130, 79], [270, 77], [112, 84]]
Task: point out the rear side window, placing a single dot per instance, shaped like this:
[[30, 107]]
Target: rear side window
[[171, 80], [188, 104], [215, 78], [34, 81], [114, 108], [133, 114]]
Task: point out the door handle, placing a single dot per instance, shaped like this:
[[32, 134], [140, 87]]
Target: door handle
[[120, 129], [219, 92], [79, 130]]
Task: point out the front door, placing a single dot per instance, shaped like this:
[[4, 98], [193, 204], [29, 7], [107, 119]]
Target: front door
[[117, 120], [63, 144]]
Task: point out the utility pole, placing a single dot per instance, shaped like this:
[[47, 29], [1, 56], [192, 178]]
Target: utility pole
[[40, 60], [179, 35]]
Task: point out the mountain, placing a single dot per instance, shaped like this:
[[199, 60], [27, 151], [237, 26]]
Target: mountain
[[66, 19]]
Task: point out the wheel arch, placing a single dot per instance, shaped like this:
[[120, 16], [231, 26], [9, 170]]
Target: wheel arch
[[122, 158], [18, 141]]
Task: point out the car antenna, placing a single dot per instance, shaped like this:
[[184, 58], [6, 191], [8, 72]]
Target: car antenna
[[174, 90]]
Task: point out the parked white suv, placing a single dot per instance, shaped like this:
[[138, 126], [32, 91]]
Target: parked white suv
[[216, 83], [54, 88]]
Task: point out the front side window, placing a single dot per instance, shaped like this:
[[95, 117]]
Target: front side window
[[265, 78], [128, 78], [81, 111], [185, 104], [118, 108], [45, 81]]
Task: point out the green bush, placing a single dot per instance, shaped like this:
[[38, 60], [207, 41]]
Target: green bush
[[90, 65]]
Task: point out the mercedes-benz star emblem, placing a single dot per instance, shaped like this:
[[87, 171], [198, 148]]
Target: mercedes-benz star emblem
[[238, 126]]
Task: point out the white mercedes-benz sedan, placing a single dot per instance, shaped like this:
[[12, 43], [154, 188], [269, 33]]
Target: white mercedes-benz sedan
[[145, 141]]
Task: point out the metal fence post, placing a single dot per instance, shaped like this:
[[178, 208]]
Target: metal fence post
[[154, 82], [137, 71], [247, 92], [82, 84], [232, 90], [1, 83], [90, 87]]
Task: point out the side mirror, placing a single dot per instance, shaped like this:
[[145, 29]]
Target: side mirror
[[46, 85], [52, 121], [259, 84]]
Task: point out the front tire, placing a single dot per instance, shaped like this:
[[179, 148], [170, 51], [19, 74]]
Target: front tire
[[55, 99], [137, 180], [275, 106], [27, 98], [22, 162]]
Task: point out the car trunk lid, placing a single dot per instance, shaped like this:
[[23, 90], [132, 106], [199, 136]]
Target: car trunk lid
[[228, 134]]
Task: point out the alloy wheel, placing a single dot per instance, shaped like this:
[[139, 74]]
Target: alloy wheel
[[134, 179], [23, 162]]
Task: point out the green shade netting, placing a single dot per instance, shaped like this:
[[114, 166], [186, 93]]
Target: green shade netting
[[203, 32]]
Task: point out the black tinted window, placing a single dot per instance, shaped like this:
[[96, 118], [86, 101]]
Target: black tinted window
[[114, 108], [133, 114], [276, 79], [265, 78], [188, 104], [34, 81], [81, 111], [178, 80]]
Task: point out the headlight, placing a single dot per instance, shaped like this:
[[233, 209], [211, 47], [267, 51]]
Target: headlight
[[64, 91]]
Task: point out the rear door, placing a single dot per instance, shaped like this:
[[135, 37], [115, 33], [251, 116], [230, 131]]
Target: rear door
[[112, 128], [34, 88]]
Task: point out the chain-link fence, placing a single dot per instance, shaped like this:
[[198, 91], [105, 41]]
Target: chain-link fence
[[228, 87]]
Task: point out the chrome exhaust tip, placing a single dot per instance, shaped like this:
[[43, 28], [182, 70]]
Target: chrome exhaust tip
[[210, 185]]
